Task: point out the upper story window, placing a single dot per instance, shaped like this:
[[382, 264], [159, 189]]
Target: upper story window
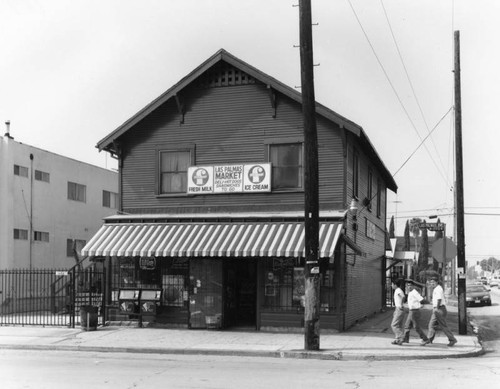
[[379, 198], [109, 199], [287, 164], [77, 192], [40, 236], [369, 193], [42, 176], [173, 171], [355, 174], [20, 234], [20, 171]]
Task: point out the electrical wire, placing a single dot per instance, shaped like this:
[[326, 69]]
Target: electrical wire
[[392, 86], [423, 140], [411, 84]]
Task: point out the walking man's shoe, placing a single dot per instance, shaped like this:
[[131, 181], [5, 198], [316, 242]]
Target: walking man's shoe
[[424, 342], [452, 343], [397, 342]]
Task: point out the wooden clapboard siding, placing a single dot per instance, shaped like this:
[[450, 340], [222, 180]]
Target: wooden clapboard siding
[[226, 125], [228, 117], [366, 273]]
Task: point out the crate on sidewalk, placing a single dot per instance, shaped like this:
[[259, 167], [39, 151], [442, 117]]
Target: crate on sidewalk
[[213, 322]]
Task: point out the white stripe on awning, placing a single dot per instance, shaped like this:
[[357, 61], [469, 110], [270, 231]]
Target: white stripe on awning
[[238, 239]]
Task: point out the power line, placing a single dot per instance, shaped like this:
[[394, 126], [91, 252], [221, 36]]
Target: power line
[[422, 142], [393, 89], [410, 83]]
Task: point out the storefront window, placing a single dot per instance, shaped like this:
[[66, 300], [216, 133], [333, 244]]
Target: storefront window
[[284, 285], [148, 273]]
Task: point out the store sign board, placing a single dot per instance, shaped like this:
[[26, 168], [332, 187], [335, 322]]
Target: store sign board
[[241, 178]]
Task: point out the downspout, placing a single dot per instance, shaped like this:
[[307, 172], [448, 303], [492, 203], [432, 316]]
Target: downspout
[[31, 211]]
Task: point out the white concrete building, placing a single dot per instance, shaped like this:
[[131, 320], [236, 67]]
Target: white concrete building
[[46, 202]]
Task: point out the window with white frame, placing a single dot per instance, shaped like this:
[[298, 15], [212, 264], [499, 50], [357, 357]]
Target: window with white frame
[[287, 161], [109, 199], [77, 192], [173, 167]]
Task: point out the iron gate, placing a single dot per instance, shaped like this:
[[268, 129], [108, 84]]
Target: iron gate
[[47, 297]]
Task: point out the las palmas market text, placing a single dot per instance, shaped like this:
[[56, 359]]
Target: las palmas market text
[[229, 178]]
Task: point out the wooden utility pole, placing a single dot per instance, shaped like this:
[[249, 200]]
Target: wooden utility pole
[[461, 267], [311, 198]]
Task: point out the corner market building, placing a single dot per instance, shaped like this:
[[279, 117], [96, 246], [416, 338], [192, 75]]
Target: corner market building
[[211, 205]]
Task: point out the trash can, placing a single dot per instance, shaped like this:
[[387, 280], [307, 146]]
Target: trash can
[[88, 317]]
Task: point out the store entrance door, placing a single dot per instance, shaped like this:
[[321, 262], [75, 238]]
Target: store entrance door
[[240, 299]]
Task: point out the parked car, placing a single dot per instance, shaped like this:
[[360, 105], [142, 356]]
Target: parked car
[[495, 281], [477, 295]]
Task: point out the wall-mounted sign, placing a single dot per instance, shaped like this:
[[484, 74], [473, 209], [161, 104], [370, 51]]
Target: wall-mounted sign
[[370, 229], [147, 263], [244, 178]]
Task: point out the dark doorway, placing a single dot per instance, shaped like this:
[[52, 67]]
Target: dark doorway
[[240, 280]]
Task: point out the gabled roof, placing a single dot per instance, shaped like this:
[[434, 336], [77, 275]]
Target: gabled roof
[[107, 143]]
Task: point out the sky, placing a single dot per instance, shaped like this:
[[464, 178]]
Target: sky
[[71, 72]]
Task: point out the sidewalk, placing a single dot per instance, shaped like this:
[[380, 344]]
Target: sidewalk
[[369, 340]]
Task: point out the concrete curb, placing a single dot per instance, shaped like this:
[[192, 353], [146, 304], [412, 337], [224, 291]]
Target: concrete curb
[[292, 354]]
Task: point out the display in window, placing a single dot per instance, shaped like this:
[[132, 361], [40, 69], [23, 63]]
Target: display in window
[[173, 290], [299, 288]]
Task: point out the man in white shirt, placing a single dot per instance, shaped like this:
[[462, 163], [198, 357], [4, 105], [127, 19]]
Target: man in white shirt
[[439, 312], [413, 319], [399, 313]]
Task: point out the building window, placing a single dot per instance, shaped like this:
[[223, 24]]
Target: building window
[[379, 198], [287, 165], [42, 176], [20, 171], [77, 192], [77, 243], [109, 199], [369, 194], [284, 287], [20, 234], [40, 236], [173, 171], [355, 174]]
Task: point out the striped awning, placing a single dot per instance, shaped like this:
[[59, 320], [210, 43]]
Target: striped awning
[[237, 239]]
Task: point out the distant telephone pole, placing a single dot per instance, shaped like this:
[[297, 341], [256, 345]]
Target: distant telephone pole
[[311, 198], [461, 268]]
